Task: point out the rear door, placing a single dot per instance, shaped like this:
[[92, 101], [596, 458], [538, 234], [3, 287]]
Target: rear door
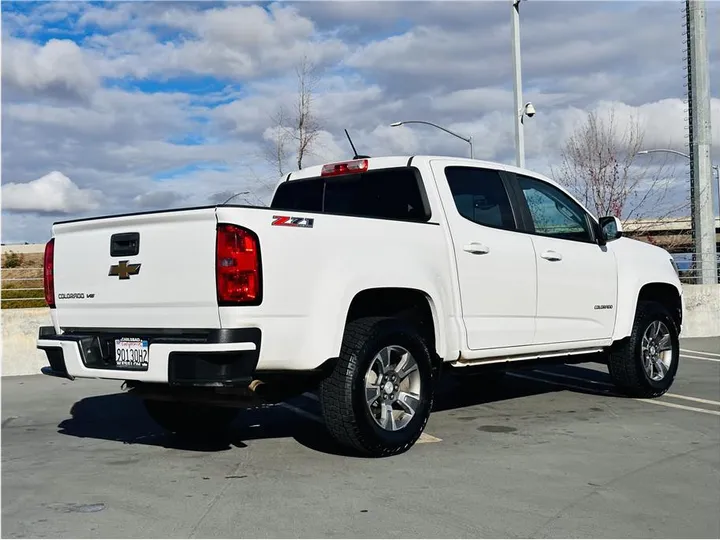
[[154, 270], [577, 278], [495, 263]]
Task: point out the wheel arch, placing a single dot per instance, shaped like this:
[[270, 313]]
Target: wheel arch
[[662, 292], [665, 294], [413, 304]]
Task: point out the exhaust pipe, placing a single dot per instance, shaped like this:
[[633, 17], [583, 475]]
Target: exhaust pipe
[[253, 386]]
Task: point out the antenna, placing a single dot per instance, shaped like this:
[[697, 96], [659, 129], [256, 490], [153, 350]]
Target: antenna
[[355, 156]]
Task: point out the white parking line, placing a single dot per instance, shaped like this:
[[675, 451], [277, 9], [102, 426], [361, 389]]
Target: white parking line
[[571, 377], [424, 437], [600, 383], [699, 400], [700, 352], [700, 358], [427, 438], [556, 383], [677, 406], [653, 401]]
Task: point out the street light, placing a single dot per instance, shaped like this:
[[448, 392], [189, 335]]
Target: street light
[[717, 171], [716, 168], [466, 139], [667, 150], [234, 195]]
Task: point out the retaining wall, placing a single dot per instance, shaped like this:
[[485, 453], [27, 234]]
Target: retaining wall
[[20, 328], [702, 311], [19, 334]]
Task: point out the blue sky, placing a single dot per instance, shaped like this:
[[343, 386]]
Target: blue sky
[[111, 105]]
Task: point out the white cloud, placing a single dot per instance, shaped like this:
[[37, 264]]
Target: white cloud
[[52, 193], [236, 41], [59, 66], [159, 199], [443, 62]]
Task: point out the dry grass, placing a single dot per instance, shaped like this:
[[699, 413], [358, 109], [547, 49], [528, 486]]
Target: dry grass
[[26, 274]]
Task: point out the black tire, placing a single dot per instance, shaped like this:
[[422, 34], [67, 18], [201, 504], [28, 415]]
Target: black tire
[[190, 419], [625, 359], [342, 393]]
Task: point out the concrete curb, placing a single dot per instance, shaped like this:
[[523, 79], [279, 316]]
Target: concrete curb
[[20, 328]]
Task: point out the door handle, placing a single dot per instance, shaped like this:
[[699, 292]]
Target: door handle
[[474, 247], [551, 255]]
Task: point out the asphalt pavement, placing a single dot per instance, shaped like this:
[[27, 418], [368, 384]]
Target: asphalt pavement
[[547, 452]]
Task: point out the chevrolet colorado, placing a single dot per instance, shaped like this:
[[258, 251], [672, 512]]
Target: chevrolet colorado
[[363, 279]]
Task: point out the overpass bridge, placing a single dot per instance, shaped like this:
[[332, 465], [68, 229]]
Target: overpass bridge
[[673, 234]]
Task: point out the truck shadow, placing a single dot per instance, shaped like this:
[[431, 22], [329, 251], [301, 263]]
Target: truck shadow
[[121, 417]]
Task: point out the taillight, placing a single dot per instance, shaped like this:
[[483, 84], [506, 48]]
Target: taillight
[[237, 266], [49, 273], [344, 167]]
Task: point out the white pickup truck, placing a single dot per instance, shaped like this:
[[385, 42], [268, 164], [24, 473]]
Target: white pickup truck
[[362, 279]]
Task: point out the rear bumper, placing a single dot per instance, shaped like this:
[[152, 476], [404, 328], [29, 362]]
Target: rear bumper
[[212, 358]]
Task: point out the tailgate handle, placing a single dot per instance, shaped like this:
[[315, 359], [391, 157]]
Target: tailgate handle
[[124, 244]]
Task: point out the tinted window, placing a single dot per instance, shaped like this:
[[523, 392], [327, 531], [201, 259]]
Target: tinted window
[[302, 195], [387, 193], [553, 212], [480, 196]]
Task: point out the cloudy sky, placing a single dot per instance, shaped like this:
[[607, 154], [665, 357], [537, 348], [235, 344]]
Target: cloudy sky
[[126, 106]]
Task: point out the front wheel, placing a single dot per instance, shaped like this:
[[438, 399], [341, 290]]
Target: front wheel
[[379, 395], [644, 365]]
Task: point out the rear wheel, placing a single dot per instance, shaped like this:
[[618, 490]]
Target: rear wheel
[[190, 419], [645, 364], [378, 398]]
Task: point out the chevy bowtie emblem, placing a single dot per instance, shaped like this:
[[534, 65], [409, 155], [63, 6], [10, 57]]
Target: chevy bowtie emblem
[[123, 270]]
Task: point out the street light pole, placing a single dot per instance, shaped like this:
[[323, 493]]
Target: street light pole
[[698, 81], [517, 86], [468, 140]]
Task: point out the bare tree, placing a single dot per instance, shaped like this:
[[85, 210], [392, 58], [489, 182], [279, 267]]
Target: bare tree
[[599, 165], [277, 150], [295, 133]]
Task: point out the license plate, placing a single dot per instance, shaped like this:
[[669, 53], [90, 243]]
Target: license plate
[[131, 353]]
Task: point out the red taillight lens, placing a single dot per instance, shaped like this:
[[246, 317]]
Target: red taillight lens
[[345, 167], [237, 266], [49, 273]]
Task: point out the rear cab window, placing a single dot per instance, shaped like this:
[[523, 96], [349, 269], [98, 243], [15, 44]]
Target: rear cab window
[[480, 196], [396, 194]]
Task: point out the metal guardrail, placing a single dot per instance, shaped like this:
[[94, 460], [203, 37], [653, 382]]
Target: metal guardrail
[[690, 266], [22, 287]]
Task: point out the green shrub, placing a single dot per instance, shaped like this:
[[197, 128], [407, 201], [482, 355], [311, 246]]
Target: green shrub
[[13, 260]]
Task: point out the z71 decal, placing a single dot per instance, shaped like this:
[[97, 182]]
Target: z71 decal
[[289, 221]]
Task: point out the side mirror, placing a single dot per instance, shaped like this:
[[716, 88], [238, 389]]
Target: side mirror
[[611, 228]]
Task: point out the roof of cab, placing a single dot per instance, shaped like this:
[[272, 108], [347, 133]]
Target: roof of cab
[[384, 162]]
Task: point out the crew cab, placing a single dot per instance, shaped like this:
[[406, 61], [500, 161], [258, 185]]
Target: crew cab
[[364, 279]]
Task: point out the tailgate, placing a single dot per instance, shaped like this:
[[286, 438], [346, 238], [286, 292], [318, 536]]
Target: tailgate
[[166, 280]]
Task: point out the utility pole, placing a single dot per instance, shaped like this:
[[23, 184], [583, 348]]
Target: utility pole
[[700, 141], [518, 112]]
